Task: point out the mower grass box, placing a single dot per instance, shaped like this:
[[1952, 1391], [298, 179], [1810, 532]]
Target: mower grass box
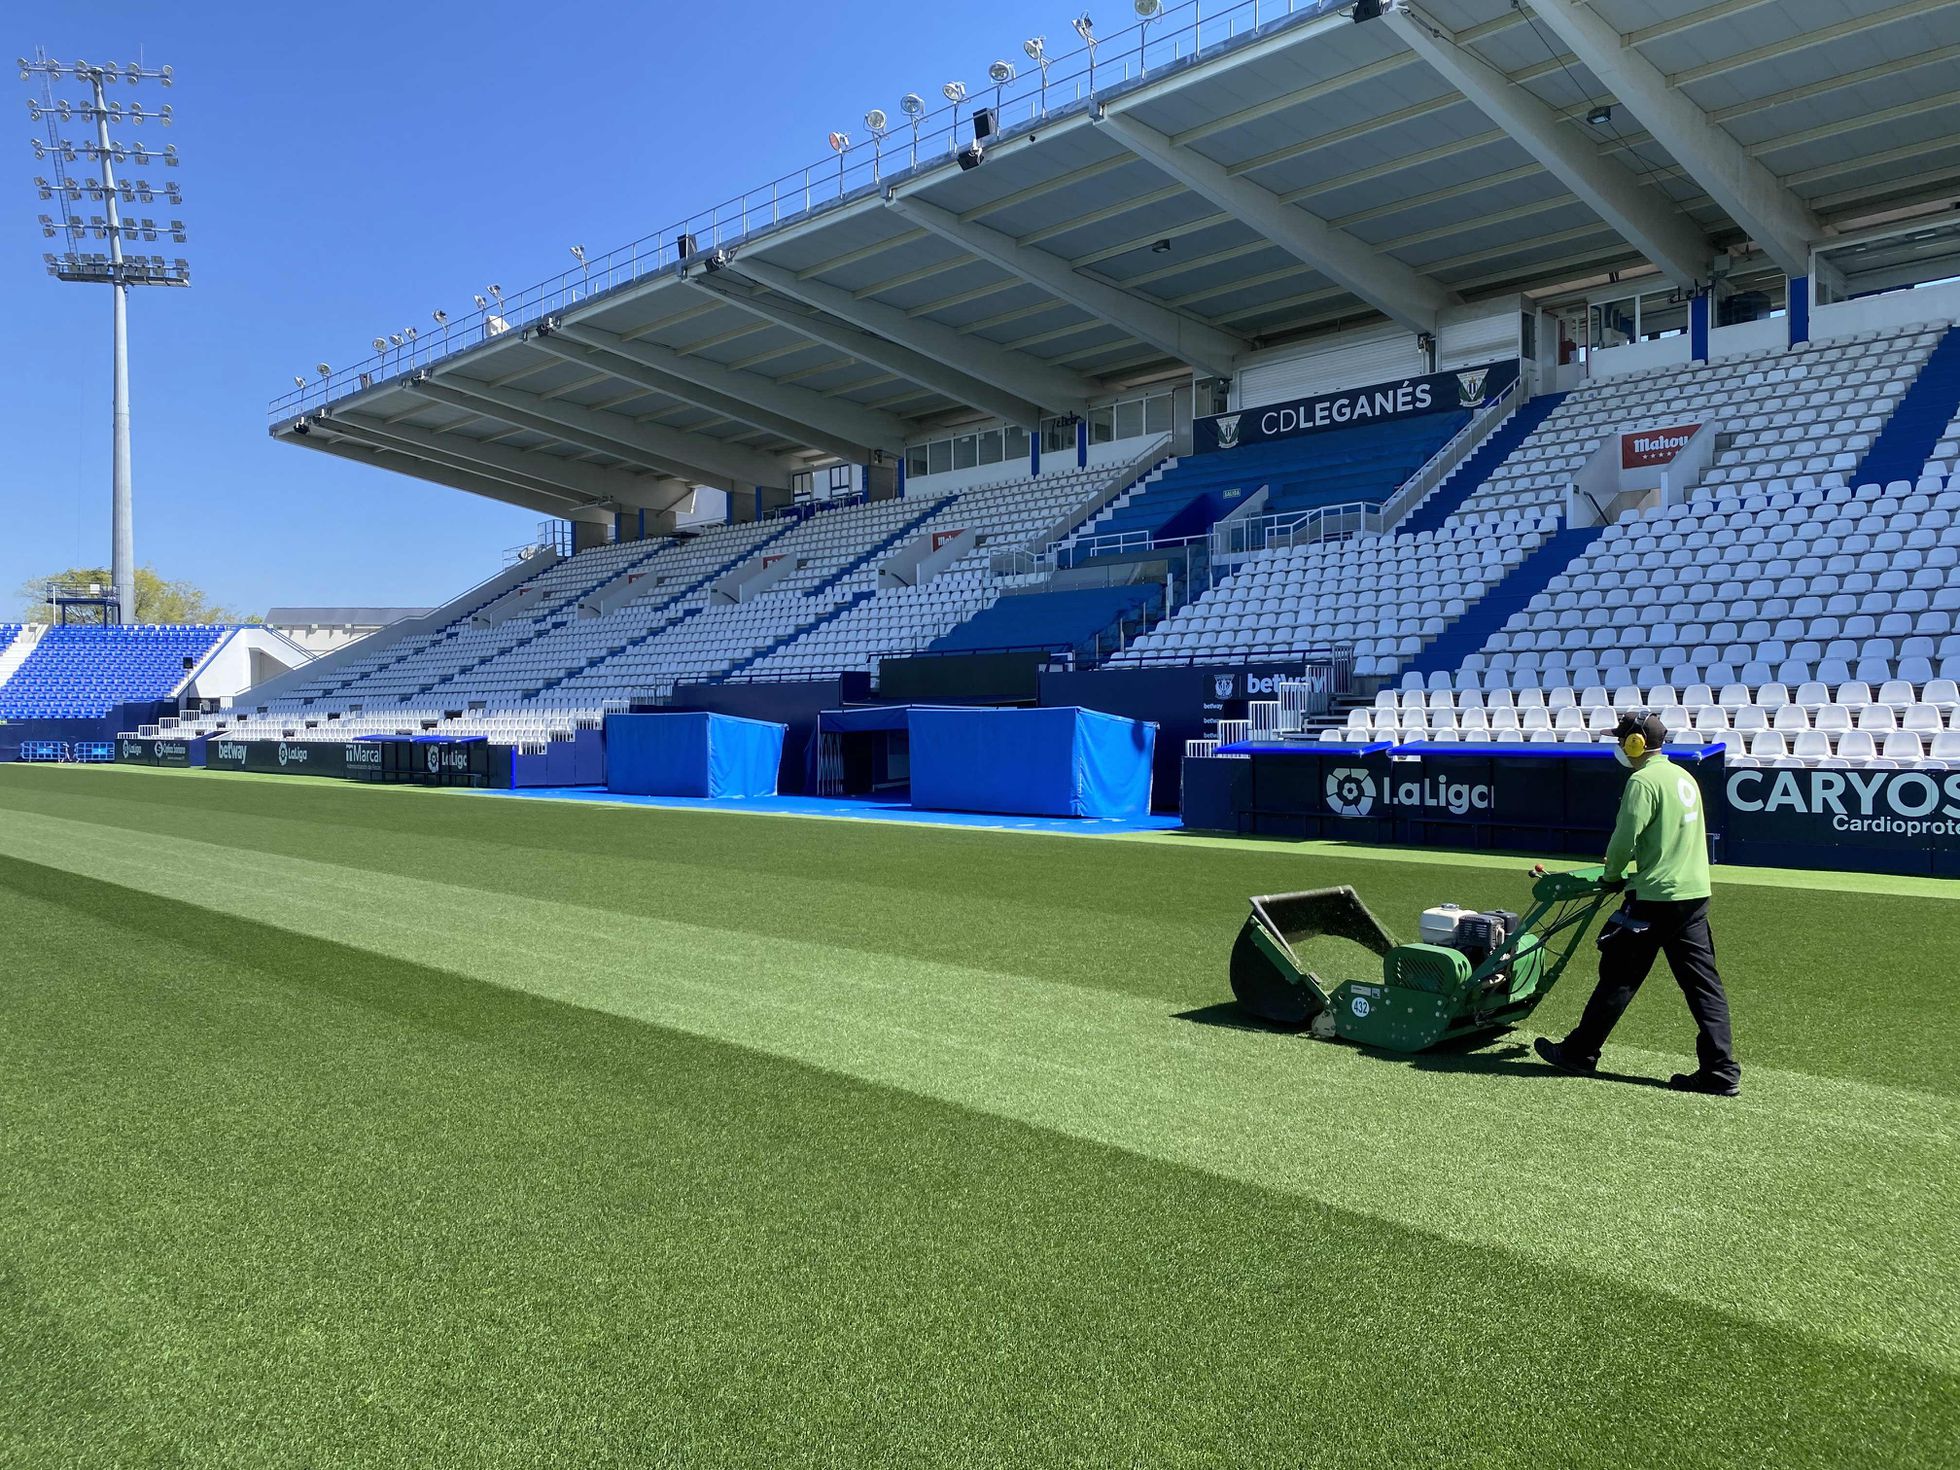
[[1493, 975]]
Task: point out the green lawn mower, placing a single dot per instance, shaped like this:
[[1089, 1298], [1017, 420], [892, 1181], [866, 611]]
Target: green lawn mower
[[1471, 973]]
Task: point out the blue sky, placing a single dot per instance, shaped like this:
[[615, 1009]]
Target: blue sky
[[346, 170]]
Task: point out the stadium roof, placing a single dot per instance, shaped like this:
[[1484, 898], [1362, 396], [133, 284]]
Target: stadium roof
[[1308, 174], [340, 617]]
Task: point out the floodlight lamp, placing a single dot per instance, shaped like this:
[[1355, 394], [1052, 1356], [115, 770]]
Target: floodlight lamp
[[67, 113], [298, 381], [47, 189], [876, 121], [165, 115], [178, 233], [136, 113], [379, 344], [480, 301], [110, 73], [47, 227], [170, 154], [33, 110], [1037, 49], [1148, 9], [1001, 73], [1085, 28], [839, 142], [441, 317], [954, 91], [1600, 116], [133, 73], [25, 70], [578, 254], [498, 292], [166, 74], [396, 338], [114, 112], [323, 370], [81, 67], [912, 105], [409, 332], [39, 150]]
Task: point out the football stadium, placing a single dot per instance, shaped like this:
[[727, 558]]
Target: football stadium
[[1049, 854]]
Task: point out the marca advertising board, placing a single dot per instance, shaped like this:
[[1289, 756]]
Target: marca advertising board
[[1404, 398], [149, 750], [1644, 448], [356, 759]]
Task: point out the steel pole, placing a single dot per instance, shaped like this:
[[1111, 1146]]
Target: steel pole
[[122, 562]]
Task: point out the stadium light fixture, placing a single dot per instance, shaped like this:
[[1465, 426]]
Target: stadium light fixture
[[840, 144], [1600, 115], [876, 123], [1147, 11], [497, 292], [299, 382], [323, 370], [1000, 73], [440, 316], [955, 93], [115, 267], [914, 107]]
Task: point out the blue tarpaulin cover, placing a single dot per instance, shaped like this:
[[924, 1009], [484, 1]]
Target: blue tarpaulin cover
[[692, 755], [1031, 762]]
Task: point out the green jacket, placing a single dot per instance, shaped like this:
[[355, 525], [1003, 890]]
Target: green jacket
[[1661, 832]]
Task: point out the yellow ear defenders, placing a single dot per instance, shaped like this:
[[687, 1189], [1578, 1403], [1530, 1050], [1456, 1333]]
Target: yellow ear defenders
[[1635, 745], [1639, 735]]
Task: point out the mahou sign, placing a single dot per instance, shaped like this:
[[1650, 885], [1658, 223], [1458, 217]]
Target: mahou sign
[[1645, 448]]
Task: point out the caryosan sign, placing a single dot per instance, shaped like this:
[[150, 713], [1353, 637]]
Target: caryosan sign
[[1645, 448], [1465, 388], [1826, 806]]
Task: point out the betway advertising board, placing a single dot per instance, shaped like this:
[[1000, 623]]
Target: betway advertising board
[[1404, 398], [357, 759]]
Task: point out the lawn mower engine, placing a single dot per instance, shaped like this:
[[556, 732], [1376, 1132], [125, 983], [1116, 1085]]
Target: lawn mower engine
[[1470, 971]]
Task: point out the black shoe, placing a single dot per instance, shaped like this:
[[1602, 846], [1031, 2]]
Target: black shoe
[[1555, 1053], [1706, 1085]]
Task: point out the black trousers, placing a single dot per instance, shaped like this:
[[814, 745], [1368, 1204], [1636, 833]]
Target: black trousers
[[1680, 931]]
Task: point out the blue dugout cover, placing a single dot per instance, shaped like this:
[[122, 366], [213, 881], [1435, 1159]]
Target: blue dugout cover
[[692, 755], [1031, 762]]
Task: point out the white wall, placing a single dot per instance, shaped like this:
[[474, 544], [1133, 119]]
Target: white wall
[[1879, 313], [1366, 355], [1745, 338], [246, 657], [1639, 357], [946, 482], [1469, 336]]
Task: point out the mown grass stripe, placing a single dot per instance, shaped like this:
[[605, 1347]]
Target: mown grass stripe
[[1848, 1178]]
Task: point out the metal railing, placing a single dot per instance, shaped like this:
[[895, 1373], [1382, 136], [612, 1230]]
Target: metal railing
[[1070, 82], [1444, 461], [1232, 539]]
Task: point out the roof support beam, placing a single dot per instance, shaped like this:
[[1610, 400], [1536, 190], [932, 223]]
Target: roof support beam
[[797, 414], [544, 473], [489, 489], [1027, 379], [876, 348], [1644, 219], [1748, 192], [686, 456], [1404, 296], [1185, 338]]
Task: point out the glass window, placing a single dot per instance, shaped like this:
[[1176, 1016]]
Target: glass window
[[915, 460], [1157, 414], [1662, 314], [1017, 442], [939, 456], [965, 452], [990, 447], [1057, 435], [1102, 424], [1612, 323], [1129, 418]]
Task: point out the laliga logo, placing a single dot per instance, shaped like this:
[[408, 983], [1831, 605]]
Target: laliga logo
[[282, 753], [1350, 792], [1228, 431], [435, 759]]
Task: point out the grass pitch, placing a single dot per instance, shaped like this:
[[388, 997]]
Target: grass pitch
[[352, 1127]]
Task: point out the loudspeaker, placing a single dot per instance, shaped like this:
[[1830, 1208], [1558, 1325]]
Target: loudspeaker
[[684, 246], [983, 124], [972, 156]]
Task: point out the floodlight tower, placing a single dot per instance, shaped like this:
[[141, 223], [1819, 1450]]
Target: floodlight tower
[[119, 269]]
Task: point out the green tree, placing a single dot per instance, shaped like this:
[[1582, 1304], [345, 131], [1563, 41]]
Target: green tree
[[157, 601]]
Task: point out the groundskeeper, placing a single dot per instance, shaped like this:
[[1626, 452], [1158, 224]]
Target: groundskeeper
[[1660, 831]]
